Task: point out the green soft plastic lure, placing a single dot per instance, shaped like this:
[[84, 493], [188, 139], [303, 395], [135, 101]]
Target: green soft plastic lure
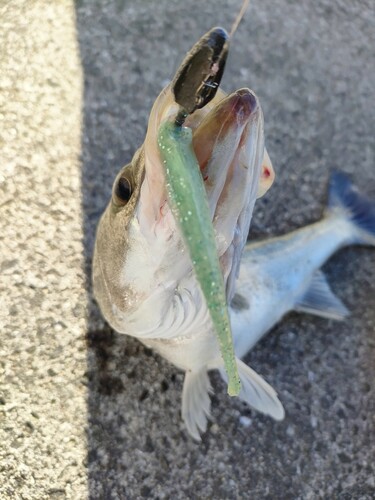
[[189, 205]]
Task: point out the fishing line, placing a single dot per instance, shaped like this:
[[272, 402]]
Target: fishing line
[[236, 22], [245, 5]]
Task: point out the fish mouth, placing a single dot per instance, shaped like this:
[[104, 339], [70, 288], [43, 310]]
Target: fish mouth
[[228, 142]]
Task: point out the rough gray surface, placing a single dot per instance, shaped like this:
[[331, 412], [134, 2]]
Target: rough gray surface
[[43, 411], [313, 66]]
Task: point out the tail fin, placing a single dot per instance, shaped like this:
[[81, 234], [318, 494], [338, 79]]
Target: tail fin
[[345, 198], [196, 402]]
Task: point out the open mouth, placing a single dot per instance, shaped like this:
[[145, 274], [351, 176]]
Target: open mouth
[[228, 142]]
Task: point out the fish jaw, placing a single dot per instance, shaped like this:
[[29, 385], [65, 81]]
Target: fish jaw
[[229, 144], [227, 135]]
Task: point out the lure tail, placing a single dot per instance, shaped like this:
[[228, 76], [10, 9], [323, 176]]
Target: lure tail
[[346, 200], [257, 393]]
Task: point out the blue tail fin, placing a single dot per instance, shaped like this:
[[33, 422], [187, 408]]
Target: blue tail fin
[[344, 197]]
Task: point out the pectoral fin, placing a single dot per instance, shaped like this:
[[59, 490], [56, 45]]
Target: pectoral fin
[[257, 393], [321, 301], [196, 402]]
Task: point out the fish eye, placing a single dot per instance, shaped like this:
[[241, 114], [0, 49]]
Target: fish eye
[[123, 191]]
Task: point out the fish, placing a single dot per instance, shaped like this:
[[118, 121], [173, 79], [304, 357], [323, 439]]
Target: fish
[[143, 275]]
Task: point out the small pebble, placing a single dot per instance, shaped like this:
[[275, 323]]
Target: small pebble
[[245, 421]]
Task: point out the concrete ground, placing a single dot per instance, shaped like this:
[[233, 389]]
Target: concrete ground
[[87, 413]]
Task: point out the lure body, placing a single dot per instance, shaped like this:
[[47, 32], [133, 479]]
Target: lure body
[[187, 197]]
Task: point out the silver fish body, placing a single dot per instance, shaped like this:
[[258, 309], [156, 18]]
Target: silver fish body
[[276, 276], [143, 277]]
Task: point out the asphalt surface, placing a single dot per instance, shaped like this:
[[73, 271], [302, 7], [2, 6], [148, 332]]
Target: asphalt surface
[[87, 413]]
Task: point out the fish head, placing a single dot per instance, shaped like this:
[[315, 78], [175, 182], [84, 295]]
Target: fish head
[[140, 262]]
